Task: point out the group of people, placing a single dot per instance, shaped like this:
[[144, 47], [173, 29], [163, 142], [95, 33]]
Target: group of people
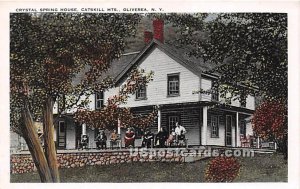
[[101, 139], [161, 139]]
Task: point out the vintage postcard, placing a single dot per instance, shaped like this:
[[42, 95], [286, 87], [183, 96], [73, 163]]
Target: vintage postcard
[[194, 93]]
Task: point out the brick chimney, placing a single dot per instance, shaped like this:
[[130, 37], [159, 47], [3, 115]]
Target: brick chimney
[[147, 36], [158, 29]]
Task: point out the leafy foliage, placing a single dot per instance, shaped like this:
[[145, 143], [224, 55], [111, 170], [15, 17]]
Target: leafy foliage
[[112, 112], [248, 50], [222, 169], [62, 57], [63, 54], [270, 120]]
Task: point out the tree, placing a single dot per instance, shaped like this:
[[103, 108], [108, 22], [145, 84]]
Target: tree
[[48, 55], [248, 51], [270, 122], [113, 112]]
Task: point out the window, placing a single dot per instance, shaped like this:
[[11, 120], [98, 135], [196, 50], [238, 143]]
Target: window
[[172, 122], [243, 128], [215, 91], [243, 101], [99, 100], [141, 93], [173, 85], [214, 126]]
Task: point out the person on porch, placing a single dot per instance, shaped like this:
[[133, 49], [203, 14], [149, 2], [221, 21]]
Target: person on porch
[[147, 139], [114, 136], [161, 138], [180, 132], [101, 140], [84, 141], [129, 138], [171, 138]]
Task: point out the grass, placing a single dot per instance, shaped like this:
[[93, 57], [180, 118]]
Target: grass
[[261, 168]]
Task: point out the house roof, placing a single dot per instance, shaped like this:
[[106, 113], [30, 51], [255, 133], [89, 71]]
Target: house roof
[[195, 65], [120, 67]]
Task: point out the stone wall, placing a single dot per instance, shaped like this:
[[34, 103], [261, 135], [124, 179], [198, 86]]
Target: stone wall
[[22, 163]]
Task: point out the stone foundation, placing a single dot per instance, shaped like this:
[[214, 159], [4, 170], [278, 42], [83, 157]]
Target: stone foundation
[[22, 163]]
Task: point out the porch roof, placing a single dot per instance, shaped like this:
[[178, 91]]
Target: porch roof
[[199, 104]]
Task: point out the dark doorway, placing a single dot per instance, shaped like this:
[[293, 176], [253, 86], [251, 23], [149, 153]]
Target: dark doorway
[[228, 130], [61, 135]]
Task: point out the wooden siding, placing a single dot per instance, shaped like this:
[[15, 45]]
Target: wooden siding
[[250, 102], [189, 118], [220, 140], [222, 121], [162, 65], [109, 93], [205, 85]]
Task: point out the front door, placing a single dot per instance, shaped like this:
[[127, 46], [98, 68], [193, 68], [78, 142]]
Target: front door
[[61, 135], [172, 119], [228, 130]]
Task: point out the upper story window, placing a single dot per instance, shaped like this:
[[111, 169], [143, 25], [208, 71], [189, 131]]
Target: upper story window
[[243, 101], [215, 91], [214, 126], [173, 85], [141, 93], [99, 100]]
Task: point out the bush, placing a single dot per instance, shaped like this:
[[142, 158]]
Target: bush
[[222, 169]]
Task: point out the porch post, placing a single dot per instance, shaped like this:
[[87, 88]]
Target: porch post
[[84, 129], [158, 119], [238, 139], [119, 126], [204, 128], [258, 142]]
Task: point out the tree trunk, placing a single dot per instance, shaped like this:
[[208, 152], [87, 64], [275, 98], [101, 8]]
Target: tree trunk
[[35, 147], [50, 150]]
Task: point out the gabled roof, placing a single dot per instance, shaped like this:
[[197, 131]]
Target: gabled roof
[[120, 67], [197, 66]]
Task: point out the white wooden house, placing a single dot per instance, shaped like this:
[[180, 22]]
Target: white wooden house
[[176, 77]]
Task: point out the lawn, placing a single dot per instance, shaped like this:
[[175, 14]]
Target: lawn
[[261, 168]]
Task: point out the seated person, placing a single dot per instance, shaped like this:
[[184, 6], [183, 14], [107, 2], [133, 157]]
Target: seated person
[[161, 138], [180, 134], [129, 138], [147, 138], [84, 141], [171, 138], [101, 140], [114, 136]]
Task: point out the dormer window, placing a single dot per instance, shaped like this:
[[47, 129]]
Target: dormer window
[[99, 100]]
